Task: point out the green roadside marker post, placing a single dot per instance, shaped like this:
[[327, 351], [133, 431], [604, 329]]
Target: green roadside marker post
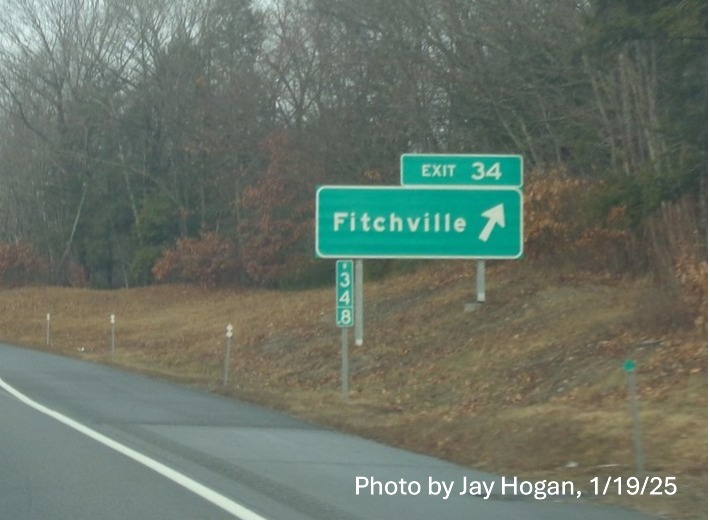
[[344, 304], [630, 368], [344, 316]]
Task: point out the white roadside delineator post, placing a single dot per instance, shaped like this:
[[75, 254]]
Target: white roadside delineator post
[[112, 320], [227, 350], [49, 321]]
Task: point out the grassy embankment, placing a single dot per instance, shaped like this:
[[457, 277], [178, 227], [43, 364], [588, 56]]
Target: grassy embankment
[[530, 384]]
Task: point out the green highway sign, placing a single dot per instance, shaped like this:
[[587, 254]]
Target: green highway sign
[[344, 302], [403, 222], [462, 170], [629, 365]]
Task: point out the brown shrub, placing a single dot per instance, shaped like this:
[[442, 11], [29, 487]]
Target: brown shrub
[[209, 260], [557, 226], [19, 264]]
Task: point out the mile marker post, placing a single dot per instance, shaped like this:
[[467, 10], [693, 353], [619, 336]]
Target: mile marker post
[[630, 368], [344, 317], [227, 350]]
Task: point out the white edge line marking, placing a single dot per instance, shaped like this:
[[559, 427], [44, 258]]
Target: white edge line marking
[[202, 491]]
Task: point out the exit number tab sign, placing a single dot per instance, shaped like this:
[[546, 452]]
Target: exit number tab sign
[[462, 170]]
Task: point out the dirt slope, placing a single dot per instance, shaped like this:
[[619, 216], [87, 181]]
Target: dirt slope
[[529, 384]]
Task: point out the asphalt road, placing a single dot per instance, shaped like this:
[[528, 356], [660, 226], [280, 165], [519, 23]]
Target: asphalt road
[[84, 441]]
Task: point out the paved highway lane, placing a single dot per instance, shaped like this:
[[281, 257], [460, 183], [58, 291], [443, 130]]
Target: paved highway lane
[[79, 440], [47, 471]]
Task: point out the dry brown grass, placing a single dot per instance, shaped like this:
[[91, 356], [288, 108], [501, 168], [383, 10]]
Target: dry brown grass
[[527, 384]]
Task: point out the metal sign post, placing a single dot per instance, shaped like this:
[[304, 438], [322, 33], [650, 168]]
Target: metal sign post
[[481, 281], [345, 364], [630, 368], [359, 300]]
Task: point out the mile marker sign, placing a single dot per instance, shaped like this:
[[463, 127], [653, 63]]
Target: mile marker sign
[[344, 304], [394, 222]]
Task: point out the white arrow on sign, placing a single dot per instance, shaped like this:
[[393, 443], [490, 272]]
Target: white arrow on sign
[[496, 217]]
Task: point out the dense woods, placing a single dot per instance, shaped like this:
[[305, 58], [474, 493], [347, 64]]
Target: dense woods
[[150, 140]]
